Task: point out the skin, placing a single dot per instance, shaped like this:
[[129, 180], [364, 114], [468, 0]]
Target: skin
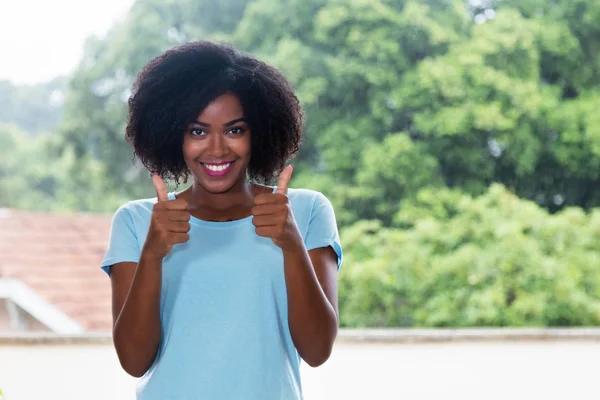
[[220, 134]]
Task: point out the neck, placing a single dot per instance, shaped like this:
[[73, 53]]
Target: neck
[[239, 194]]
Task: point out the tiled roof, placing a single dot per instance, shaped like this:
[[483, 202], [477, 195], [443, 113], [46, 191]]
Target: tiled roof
[[58, 256]]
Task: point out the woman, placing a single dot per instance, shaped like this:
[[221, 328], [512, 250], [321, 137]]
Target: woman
[[221, 289]]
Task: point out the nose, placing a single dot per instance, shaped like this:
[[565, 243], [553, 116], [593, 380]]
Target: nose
[[217, 146]]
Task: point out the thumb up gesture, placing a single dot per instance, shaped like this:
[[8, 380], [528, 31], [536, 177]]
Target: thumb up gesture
[[169, 223], [273, 217]]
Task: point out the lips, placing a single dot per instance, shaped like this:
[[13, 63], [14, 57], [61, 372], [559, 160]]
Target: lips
[[217, 170]]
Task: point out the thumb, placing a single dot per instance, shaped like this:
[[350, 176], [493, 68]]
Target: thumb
[[161, 188], [284, 179]]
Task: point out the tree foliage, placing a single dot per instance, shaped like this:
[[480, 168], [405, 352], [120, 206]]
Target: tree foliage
[[510, 100], [492, 260], [33, 109]]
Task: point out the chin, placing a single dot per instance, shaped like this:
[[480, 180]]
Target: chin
[[218, 185], [213, 188]]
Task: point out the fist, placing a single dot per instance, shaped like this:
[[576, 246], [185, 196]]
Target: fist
[[169, 223], [273, 217]]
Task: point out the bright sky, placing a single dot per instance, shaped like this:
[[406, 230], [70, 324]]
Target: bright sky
[[41, 39]]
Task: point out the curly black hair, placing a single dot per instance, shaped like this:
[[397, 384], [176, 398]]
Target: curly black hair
[[173, 88]]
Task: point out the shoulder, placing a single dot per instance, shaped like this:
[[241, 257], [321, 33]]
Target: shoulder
[[135, 210], [306, 201], [316, 219], [303, 196]]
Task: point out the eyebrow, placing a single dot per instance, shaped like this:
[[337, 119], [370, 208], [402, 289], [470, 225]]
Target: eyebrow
[[227, 124]]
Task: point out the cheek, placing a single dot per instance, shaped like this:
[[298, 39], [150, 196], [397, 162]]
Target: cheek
[[242, 146], [191, 149]]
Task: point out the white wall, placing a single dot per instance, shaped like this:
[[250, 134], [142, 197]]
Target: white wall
[[450, 371]]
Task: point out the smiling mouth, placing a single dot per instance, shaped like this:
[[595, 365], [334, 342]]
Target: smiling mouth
[[217, 169]]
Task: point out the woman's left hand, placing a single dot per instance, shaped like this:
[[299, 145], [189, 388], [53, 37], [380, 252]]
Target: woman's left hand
[[273, 217]]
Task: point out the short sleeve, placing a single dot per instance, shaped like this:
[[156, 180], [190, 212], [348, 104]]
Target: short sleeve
[[123, 245], [322, 227]]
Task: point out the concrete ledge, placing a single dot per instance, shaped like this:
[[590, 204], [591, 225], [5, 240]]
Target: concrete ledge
[[390, 335], [43, 338], [394, 335]]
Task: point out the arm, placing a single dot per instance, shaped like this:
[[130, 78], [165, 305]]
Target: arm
[[136, 313], [136, 287], [311, 280], [310, 276]]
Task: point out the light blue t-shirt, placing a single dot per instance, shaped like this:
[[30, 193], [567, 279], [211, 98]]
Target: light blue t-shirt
[[224, 316]]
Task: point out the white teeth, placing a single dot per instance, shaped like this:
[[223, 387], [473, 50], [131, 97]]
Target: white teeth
[[217, 167]]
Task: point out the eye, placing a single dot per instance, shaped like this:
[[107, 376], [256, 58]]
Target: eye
[[197, 132], [237, 130]]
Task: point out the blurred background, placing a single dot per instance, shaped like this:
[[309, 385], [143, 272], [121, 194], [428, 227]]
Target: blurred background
[[458, 140]]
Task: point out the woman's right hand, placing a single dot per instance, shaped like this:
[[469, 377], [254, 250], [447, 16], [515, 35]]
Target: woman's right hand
[[169, 223]]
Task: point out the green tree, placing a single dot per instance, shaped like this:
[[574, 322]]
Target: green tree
[[32, 177], [24, 184], [492, 260], [34, 109], [476, 102], [489, 112]]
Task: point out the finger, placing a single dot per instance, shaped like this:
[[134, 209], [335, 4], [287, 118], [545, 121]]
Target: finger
[[266, 220], [182, 216], [175, 238], [179, 227], [270, 198], [161, 188], [266, 209], [266, 231], [177, 204], [284, 179]]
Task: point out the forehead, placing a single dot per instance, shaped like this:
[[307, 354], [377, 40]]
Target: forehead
[[224, 108]]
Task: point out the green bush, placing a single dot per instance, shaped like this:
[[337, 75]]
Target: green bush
[[456, 261]]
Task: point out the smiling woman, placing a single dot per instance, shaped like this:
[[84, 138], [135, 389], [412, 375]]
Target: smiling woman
[[219, 291], [174, 89]]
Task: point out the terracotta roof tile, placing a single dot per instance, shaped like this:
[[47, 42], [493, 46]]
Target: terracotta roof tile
[[58, 256]]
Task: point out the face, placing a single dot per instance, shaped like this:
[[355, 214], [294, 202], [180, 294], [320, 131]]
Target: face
[[216, 146]]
